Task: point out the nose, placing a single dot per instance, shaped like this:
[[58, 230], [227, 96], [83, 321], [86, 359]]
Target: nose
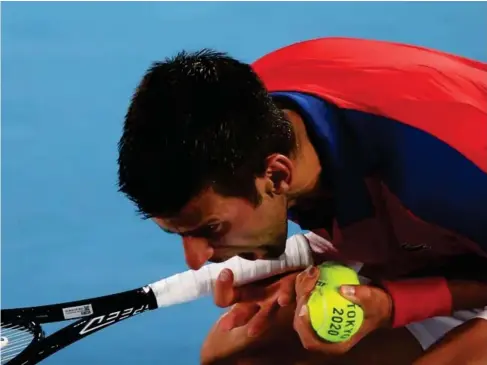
[[197, 252]]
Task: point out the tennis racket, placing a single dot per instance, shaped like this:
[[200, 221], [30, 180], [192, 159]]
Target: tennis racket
[[23, 340]]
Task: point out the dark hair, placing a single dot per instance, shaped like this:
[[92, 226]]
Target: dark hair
[[198, 120]]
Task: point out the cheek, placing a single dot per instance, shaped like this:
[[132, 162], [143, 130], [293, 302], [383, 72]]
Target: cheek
[[254, 222], [246, 222], [249, 225]]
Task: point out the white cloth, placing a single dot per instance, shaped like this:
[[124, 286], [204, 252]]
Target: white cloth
[[431, 330], [482, 314]]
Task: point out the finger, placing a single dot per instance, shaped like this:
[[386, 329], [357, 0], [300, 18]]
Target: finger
[[363, 295], [310, 340], [238, 316], [302, 326], [284, 299], [358, 294], [225, 294], [375, 302], [262, 320], [306, 281], [287, 293]]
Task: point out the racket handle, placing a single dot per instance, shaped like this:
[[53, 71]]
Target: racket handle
[[193, 284]]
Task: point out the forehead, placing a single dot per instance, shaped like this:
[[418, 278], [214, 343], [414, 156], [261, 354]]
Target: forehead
[[205, 207]]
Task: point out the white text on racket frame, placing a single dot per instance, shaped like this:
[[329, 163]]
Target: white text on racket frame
[[107, 319]]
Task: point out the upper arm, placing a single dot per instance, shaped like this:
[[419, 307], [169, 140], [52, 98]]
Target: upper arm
[[464, 344]]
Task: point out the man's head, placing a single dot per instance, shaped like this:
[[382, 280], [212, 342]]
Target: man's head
[[206, 154]]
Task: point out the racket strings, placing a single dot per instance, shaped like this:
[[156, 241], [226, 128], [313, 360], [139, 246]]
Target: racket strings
[[14, 339]]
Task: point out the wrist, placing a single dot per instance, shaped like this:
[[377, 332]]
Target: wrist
[[415, 300], [387, 310], [383, 305]]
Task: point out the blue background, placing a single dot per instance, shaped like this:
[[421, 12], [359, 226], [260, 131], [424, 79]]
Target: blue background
[[68, 71]]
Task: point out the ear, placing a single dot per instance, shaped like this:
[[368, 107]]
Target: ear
[[279, 172]]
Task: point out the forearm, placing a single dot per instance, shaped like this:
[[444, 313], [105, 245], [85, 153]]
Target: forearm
[[467, 294], [466, 345], [467, 281]]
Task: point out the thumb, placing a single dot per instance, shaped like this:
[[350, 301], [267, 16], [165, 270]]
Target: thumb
[[358, 294]]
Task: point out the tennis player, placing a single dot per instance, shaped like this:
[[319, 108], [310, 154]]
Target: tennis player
[[379, 149]]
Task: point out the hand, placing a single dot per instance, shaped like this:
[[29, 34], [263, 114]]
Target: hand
[[375, 302], [253, 304]]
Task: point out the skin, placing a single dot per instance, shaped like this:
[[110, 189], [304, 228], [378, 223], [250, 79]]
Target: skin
[[376, 304], [284, 343], [377, 307], [281, 344], [215, 228], [464, 344], [244, 335]]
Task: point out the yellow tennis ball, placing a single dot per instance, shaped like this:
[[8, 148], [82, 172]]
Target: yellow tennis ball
[[334, 318]]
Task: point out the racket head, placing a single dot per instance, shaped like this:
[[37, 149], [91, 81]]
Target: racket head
[[18, 337]]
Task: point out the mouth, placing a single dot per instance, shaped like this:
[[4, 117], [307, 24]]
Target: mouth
[[250, 256], [270, 256], [273, 251], [267, 252]]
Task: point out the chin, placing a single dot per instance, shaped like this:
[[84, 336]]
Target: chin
[[270, 256], [250, 256], [264, 253], [273, 252]]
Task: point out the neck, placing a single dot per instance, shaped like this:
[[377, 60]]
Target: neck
[[305, 184]]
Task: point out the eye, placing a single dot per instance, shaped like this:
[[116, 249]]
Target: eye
[[214, 231], [209, 231], [214, 227]]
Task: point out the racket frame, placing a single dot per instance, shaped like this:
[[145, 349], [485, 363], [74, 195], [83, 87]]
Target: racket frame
[[99, 312]]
